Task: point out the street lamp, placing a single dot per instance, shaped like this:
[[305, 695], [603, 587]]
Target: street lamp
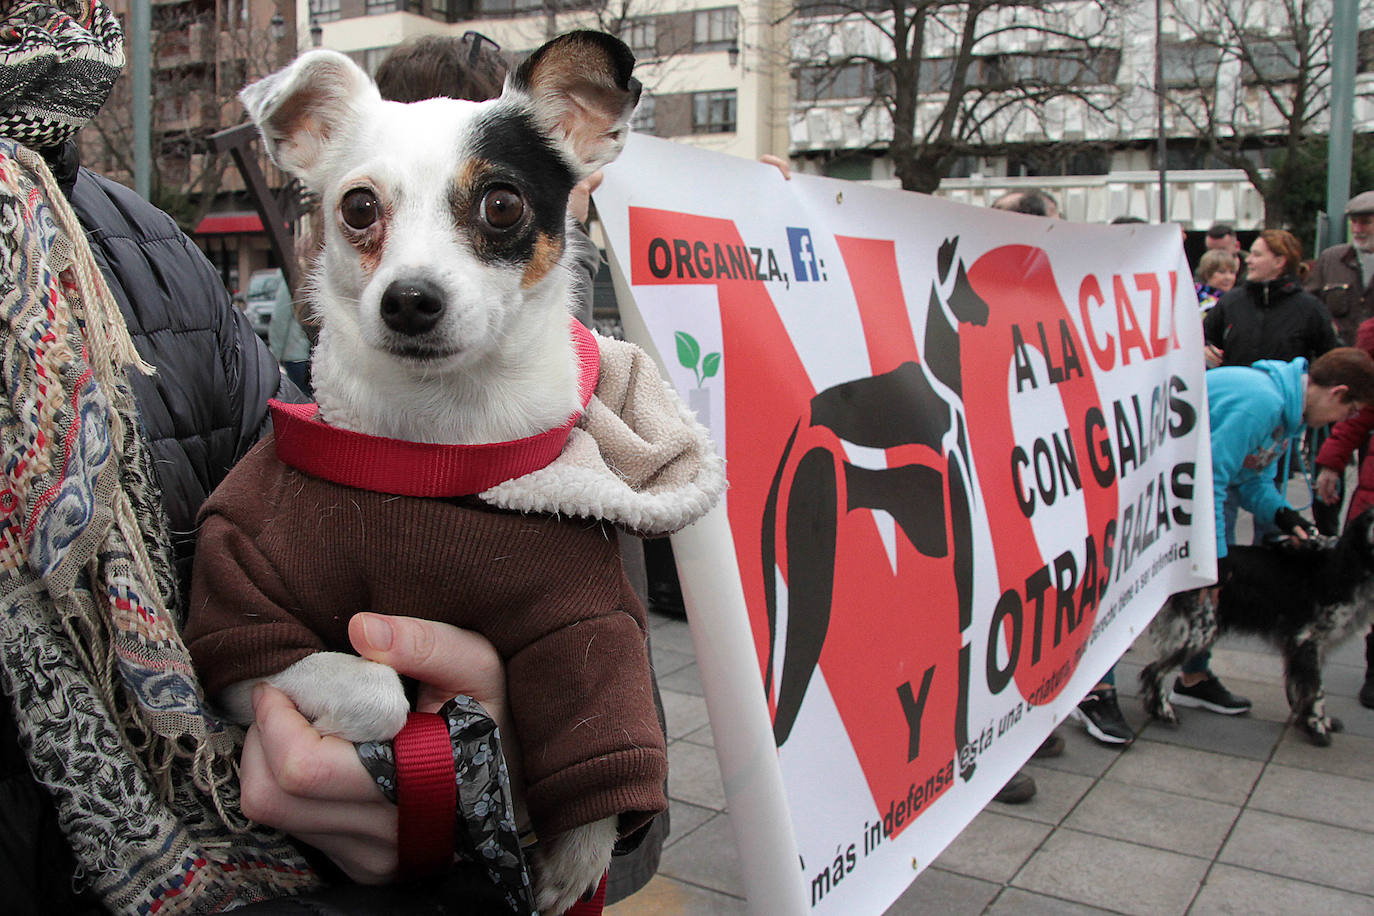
[[1161, 139]]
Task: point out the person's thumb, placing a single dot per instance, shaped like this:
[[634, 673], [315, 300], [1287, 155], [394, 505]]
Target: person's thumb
[[445, 660]]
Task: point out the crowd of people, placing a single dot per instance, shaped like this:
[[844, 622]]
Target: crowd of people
[[1283, 308], [117, 782], [1289, 345]]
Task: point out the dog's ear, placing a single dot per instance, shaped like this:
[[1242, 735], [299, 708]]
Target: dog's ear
[[299, 109], [582, 91]]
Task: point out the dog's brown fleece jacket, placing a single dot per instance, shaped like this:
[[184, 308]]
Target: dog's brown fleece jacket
[[285, 559]]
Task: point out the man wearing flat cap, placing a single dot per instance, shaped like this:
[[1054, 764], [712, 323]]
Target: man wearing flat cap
[[1343, 275]]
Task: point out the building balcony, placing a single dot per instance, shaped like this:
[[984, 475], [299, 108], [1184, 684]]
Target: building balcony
[[1196, 199]]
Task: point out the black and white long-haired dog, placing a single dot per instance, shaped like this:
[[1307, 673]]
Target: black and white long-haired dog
[[1305, 600]]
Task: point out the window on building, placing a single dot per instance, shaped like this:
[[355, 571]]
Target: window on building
[[515, 7], [372, 59], [1058, 160], [854, 81], [1183, 156], [438, 9], [715, 30], [232, 73], [672, 114], [642, 121], [231, 14], [1269, 62], [963, 167], [851, 168], [1190, 65], [1056, 68], [937, 73], [1088, 162], [839, 7], [1364, 52], [379, 7], [713, 112], [642, 36], [326, 10]]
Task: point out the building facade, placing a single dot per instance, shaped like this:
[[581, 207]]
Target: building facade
[[202, 52], [711, 77], [805, 81], [1093, 143]]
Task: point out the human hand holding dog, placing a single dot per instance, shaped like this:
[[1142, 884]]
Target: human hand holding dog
[[1328, 485], [1294, 525], [315, 788]]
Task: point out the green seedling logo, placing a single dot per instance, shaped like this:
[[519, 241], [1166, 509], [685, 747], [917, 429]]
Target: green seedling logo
[[689, 354]]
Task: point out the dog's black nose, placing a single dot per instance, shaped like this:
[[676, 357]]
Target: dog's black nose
[[412, 306]]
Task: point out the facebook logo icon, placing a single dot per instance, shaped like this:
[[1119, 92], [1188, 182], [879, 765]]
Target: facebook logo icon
[[805, 266]]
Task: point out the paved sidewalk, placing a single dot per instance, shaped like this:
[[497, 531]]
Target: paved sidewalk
[[1221, 815]]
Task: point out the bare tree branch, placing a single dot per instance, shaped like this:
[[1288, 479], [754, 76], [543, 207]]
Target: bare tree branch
[[950, 72], [1258, 90]]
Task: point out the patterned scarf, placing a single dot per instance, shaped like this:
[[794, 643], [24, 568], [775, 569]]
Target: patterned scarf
[[109, 712], [58, 63]]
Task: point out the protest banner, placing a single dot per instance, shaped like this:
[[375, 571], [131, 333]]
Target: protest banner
[[968, 461]]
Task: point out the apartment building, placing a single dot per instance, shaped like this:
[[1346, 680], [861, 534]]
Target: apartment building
[[202, 52], [711, 75], [1094, 147], [758, 77]]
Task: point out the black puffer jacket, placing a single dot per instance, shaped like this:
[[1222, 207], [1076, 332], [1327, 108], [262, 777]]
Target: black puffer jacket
[[202, 410], [1269, 319], [208, 401]]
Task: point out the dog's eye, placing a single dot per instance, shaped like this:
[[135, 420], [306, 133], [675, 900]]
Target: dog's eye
[[502, 208], [360, 208]]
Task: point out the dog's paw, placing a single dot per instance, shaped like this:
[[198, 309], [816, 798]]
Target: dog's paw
[[345, 695], [1318, 729], [1317, 736], [1157, 705], [570, 865], [1163, 711]]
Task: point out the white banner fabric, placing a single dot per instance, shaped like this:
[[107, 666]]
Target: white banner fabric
[[968, 461]]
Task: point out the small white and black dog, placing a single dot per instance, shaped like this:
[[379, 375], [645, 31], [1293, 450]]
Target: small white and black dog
[[446, 251], [443, 294], [1304, 599]]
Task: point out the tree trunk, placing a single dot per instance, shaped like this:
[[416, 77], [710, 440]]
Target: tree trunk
[[921, 170]]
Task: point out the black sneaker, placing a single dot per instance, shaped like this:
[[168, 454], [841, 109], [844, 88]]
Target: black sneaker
[[1018, 790], [1367, 691], [1101, 716], [1209, 694]]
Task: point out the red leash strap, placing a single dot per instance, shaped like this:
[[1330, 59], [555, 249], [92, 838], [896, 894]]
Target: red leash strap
[[426, 796], [592, 907]]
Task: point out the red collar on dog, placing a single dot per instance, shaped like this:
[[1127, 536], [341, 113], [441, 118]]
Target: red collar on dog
[[421, 468]]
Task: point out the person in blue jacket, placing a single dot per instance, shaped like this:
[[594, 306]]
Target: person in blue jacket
[[1257, 413]]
